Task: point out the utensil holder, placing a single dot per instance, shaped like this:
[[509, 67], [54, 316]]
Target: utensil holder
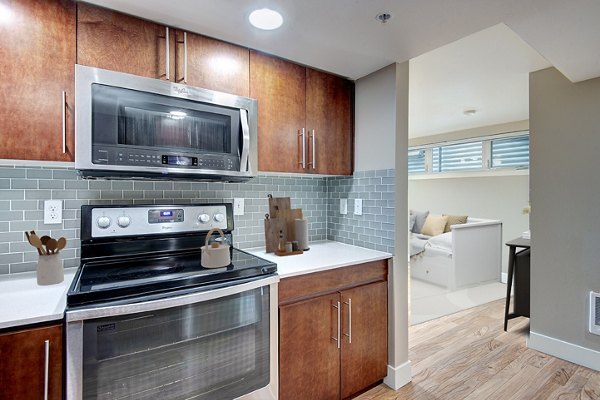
[[49, 269]]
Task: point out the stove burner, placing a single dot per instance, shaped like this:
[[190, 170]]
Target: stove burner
[[145, 271]]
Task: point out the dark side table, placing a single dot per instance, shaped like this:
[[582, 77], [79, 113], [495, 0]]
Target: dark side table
[[519, 262]]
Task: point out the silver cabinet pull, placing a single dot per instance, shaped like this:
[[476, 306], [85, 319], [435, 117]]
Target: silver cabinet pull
[[313, 162], [46, 367], [339, 327], [64, 122], [303, 162], [185, 57], [349, 334], [167, 56]]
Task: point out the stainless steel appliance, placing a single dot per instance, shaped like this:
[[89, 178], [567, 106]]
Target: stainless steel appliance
[[128, 126], [145, 320]]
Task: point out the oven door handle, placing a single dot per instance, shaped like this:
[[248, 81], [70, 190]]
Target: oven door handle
[[244, 165], [168, 302]]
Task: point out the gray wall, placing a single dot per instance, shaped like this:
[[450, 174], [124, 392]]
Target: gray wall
[[494, 197], [374, 110], [565, 198]]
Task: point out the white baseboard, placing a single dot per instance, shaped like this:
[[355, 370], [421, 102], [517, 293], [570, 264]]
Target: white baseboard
[[504, 277], [567, 351], [398, 376]]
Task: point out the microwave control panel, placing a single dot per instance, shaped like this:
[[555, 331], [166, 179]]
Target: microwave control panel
[[108, 155]]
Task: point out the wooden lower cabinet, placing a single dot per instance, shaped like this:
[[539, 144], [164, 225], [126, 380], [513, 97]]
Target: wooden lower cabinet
[[313, 364], [23, 365]]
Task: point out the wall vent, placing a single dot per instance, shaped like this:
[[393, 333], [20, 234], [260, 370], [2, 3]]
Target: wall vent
[[595, 313]]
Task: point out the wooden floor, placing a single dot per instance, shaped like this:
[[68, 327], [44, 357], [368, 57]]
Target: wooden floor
[[468, 356]]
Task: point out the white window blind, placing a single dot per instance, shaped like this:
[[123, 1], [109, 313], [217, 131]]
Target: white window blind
[[459, 157], [416, 160], [510, 152]]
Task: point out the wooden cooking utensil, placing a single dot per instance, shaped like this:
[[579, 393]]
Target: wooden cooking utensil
[[45, 239], [51, 246], [29, 240], [37, 243], [61, 243]]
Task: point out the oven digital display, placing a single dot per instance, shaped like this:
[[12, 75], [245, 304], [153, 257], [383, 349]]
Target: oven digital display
[[162, 216], [180, 160]]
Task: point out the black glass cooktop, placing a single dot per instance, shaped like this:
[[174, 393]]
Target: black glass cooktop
[[137, 277]]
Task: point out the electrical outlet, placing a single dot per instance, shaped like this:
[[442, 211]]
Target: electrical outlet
[[343, 206], [357, 206], [238, 206], [53, 212]]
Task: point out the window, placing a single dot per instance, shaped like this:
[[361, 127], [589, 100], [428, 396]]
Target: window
[[416, 160], [494, 152], [510, 152]]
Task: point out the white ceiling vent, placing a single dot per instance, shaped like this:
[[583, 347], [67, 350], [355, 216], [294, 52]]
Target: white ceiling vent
[[595, 313]]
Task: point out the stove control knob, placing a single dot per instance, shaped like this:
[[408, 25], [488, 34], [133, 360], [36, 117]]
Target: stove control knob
[[204, 218], [123, 221], [103, 222], [219, 217]]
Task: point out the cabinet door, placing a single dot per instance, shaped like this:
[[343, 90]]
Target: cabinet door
[[118, 42], [37, 60], [279, 87], [22, 370], [309, 360], [329, 117], [213, 64], [364, 344]]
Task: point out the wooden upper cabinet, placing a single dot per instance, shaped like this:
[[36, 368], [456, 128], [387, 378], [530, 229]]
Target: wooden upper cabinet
[[329, 121], [213, 64], [37, 58], [22, 370], [110, 40], [279, 87]]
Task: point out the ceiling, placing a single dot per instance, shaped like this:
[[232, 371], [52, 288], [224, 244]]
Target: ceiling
[[483, 50]]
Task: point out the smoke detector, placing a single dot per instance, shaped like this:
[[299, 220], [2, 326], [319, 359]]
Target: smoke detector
[[383, 17]]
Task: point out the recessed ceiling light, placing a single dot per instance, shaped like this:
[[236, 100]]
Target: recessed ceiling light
[[266, 19], [470, 112]]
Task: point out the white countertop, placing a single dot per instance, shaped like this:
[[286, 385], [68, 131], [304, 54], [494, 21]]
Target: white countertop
[[23, 301], [321, 256]]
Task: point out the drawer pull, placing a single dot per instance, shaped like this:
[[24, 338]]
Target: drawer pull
[[46, 367]]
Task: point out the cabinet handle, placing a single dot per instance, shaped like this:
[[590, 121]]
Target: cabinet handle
[[64, 122], [339, 328], [185, 57], [167, 56], [303, 162], [46, 367], [314, 160], [349, 334]]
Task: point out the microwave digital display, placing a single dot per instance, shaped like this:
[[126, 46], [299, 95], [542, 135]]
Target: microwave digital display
[[180, 160]]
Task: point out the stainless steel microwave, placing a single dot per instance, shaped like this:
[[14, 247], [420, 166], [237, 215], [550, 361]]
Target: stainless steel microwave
[[128, 126]]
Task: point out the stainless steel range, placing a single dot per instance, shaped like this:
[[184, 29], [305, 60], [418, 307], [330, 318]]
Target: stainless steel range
[[145, 320]]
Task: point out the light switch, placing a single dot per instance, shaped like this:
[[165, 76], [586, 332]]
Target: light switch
[[357, 206], [343, 206]]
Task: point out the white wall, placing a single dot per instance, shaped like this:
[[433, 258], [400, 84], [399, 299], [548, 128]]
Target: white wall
[[375, 119], [494, 197], [565, 220]]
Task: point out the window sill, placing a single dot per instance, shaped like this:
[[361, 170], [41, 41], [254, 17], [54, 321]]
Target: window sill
[[469, 174]]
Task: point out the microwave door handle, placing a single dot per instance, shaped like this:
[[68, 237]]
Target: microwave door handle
[[245, 141]]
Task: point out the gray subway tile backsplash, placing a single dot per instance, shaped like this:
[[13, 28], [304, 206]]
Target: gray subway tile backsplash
[[21, 206]]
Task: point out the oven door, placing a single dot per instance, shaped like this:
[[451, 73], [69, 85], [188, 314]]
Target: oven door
[[219, 344]]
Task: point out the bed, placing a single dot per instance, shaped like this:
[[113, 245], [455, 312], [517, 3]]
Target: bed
[[469, 254]]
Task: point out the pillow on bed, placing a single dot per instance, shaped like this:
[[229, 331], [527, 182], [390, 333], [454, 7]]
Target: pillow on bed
[[420, 217], [455, 220], [434, 225], [443, 241], [411, 221]]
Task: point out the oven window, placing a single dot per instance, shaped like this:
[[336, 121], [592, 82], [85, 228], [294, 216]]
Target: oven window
[[125, 117], [217, 349]]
